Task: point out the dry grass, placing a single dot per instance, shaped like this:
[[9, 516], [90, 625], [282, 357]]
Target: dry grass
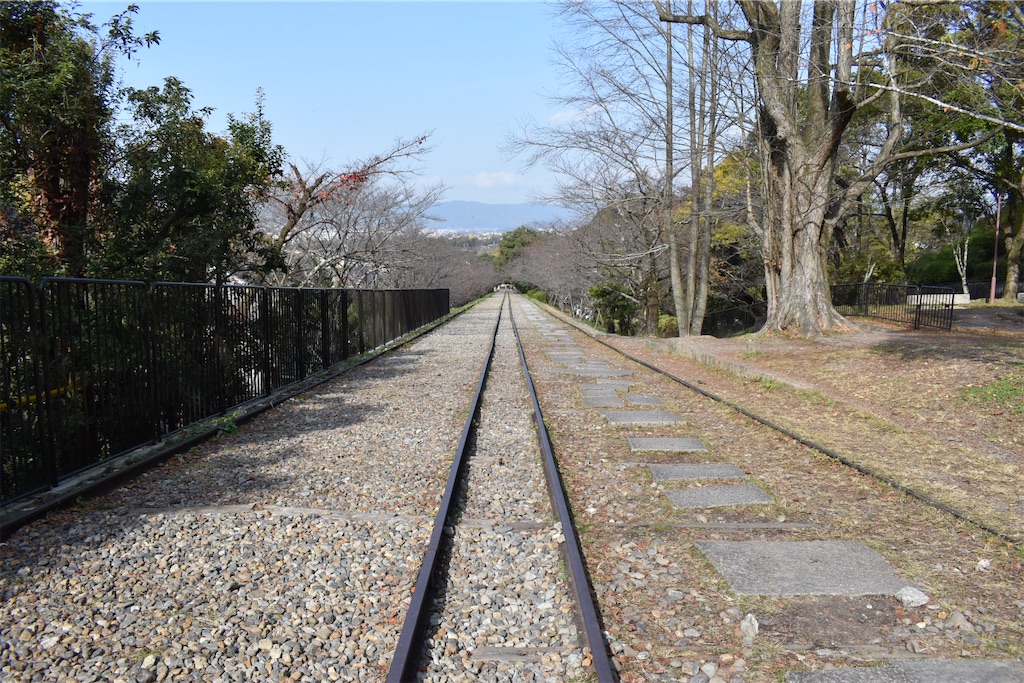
[[864, 398]]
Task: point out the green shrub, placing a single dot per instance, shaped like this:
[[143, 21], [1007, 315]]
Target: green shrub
[[538, 295], [668, 326]]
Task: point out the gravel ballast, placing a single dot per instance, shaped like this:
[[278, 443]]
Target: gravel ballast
[[506, 612], [285, 551]]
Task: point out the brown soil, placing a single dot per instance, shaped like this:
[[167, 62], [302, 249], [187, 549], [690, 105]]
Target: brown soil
[[897, 402], [893, 401]]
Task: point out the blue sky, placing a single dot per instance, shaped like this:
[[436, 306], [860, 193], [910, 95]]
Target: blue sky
[[343, 80]]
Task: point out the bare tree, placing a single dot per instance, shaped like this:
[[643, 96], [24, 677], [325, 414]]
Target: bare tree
[[556, 264], [616, 150], [361, 239], [303, 200], [807, 97]]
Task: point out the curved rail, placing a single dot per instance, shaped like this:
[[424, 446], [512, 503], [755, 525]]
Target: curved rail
[[902, 488]]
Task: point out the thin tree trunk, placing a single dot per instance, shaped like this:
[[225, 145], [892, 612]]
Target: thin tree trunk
[[1014, 244], [710, 73], [696, 159], [675, 274]]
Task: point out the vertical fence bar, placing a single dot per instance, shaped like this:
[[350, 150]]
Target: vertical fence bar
[[343, 312], [325, 328], [361, 324]]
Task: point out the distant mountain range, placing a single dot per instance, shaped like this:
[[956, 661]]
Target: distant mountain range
[[458, 216]]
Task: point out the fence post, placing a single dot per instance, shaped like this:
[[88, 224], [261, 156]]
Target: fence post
[[325, 329], [916, 312]]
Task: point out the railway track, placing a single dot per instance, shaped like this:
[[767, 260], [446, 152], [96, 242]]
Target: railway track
[[292, 549], [491, 599], [667, 478]]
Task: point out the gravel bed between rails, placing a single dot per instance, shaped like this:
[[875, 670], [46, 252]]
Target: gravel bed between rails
[[506, 613], [285, 551]]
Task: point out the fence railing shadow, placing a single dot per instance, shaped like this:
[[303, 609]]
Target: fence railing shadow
[[91, 369]]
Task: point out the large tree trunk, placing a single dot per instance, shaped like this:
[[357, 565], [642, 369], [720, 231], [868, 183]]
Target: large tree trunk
[[800, 131], [795, 243], [1014, 244]]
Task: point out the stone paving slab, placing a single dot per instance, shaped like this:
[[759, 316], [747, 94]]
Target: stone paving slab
[[565, 358], [617, 384], [596, 372], [684, 472], [686, 444], [640, 417], [586, 364], [602, 401], [802, 567], [926, 671], [644, 400], [718, 496], [598, 390]]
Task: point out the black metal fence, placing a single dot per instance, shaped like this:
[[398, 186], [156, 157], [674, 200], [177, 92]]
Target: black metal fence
[[730, 322], [917, 306], [979, 289], [90, 369]]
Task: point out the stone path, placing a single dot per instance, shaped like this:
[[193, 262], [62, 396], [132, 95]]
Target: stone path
[[787, 568]]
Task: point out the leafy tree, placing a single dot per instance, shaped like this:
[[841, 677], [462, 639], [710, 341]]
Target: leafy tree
[[184, 201], [57, 98], [978, 45], [615, 307], [513, 242], [815, 67]]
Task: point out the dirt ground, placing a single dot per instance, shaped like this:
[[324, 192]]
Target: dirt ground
[[941, 413]]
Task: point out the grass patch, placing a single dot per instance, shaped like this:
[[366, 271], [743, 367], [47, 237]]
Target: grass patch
[[1007, 392]]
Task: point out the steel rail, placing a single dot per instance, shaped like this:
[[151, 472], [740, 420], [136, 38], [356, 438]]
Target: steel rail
[[587, 617], [902, 488], [409, 651]]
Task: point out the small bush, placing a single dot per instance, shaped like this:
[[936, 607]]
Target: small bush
[[668, 326], [538, 295]]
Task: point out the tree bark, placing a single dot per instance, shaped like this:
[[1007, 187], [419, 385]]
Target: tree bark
[[1014, 242], [799, 146], [675, 272], [710, 60]]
